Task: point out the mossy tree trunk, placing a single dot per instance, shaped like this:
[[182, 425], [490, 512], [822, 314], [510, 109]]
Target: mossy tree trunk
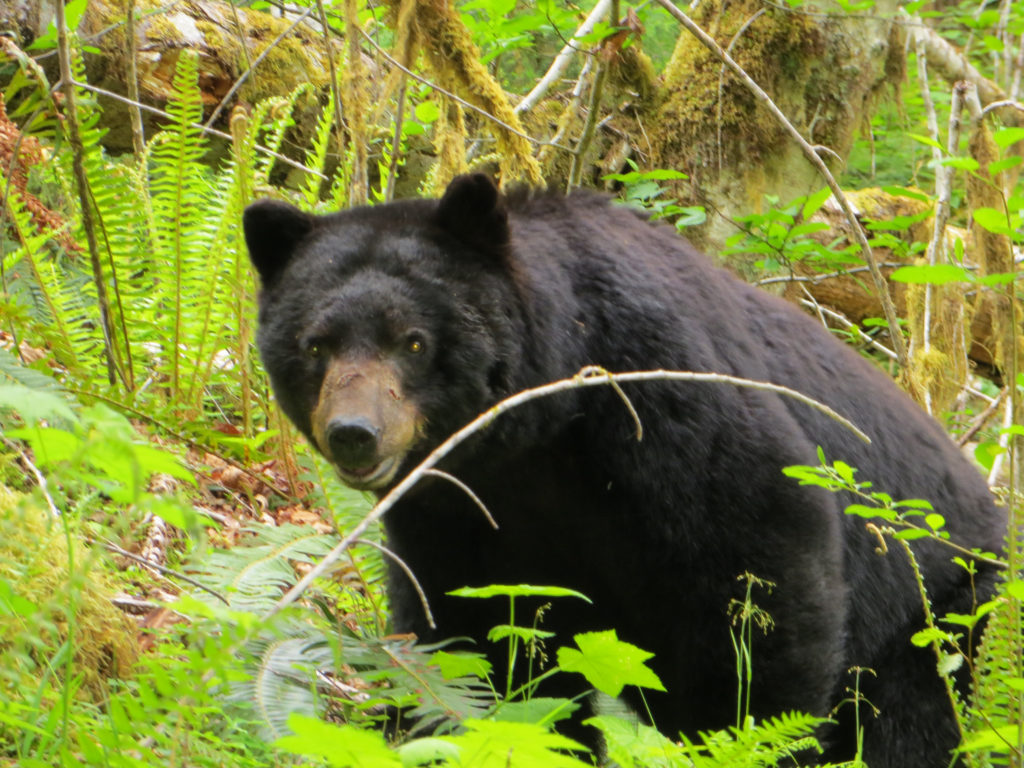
[[824, 71]]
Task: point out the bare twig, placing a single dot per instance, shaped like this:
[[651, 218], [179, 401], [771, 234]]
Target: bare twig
[[561, 61], [466, 490], [418, 78], [588, 377], [848, 325], [252, 66], [212, 131], [888, 308], [39, 476], [587, 135], [815, 279], [983, 418], [112, 547], [408, 572]]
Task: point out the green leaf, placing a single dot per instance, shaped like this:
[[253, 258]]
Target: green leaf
[[950, 663], [863, 510], [427, 112], [814, 202], [13, 604], [845, 472], [540, 710], [961, 163], [985, 453], [34, 405], [934, 274], [915, 504], [913, 194], [519, 745], [927, 636], [935, 521], [928, 140], [1015, 589], [1004, 137], [992, 220], [635, 744], [526, 634], [609, 664], [430, 750], [910, 534], [519, 590], [454, 665], [49, 444], [998, 166], [341, 745]]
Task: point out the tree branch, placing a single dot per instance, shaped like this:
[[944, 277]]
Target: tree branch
[[588, 377]]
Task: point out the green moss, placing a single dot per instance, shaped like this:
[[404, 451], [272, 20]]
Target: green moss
[[778, 50], [47, 594]]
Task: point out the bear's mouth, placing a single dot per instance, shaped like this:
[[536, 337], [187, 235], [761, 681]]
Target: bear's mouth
[[372, 477]]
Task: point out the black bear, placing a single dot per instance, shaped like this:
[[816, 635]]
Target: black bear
[[384, 329]]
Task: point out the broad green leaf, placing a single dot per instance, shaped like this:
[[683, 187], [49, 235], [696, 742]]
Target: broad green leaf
[[913, 194], [928, 635], [985, 453], [495, 744], [934, 274], [429, 751], [635, 744], [950, 663], [814, 202], [1004, 137], [911, 534], [935, 521], [928, 140], [518, 590], [49, 444], [609, 664], [539, 710], [453, 665], [1015, 589], [992, 220], [526, 634], [34, 405], [844, 470], [998, 166], [341, 745], [915, 504], [13, 604], [427, 112], [961, 163]]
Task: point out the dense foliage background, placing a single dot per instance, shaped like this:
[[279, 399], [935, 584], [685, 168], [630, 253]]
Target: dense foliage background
[[155, 506]]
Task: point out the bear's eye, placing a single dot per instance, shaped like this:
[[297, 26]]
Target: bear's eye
[[415, 344], [314, 349]]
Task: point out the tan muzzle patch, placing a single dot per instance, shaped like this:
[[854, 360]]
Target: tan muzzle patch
[[363, 423]]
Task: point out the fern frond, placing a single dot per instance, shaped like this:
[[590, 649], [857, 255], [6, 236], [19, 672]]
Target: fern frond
[[317, 154], [254, 577]]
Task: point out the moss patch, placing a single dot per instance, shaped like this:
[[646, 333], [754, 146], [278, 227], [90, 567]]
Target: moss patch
[[50, 598]]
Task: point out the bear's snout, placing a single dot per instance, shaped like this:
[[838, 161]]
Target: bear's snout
[[353, 442], [362, 423]]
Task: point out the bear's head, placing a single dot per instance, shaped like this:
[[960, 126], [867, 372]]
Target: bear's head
[[386, 328]]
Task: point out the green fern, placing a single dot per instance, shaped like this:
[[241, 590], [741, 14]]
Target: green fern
[[995, 721]]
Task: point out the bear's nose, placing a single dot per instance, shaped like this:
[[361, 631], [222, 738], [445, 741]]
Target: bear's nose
[[353, 442]]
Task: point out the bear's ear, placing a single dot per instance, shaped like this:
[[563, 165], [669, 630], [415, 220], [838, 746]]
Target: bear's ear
[[473, 211], [272, 230]]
